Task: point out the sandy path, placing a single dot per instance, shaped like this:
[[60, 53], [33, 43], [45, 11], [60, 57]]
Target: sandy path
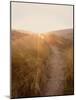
[[56, 62]]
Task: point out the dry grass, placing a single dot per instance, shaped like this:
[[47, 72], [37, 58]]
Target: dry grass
[[31, 70]]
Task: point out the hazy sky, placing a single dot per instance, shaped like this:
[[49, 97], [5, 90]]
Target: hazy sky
[[41, 17]]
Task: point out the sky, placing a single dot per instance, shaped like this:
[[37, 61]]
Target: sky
[[41, 18]]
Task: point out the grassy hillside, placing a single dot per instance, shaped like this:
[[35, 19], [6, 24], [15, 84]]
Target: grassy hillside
[[38, 62], [63, 40], [29, 55]]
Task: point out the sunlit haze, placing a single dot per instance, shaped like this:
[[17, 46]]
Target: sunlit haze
[[41, 18]]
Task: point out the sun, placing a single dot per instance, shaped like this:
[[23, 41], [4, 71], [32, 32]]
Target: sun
[[41, 36]]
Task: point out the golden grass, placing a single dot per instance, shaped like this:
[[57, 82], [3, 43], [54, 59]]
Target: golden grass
[[30, 68]]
